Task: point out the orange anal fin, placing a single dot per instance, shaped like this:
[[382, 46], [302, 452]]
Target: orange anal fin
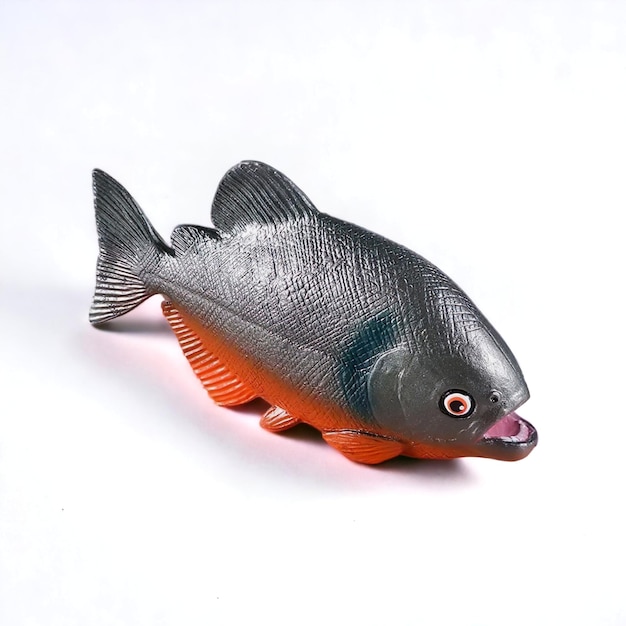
[[223, 386], [363, 447], [276, 420]]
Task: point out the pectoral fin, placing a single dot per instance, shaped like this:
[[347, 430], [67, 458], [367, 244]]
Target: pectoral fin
[[276, 420], [222, 385], [363, 447]]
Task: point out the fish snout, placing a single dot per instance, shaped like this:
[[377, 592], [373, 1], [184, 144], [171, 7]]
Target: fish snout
[[511, 438]]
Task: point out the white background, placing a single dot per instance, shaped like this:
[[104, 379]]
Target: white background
[[488, 136]]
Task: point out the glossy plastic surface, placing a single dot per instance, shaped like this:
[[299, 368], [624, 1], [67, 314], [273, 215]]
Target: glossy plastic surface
[[333, 325]]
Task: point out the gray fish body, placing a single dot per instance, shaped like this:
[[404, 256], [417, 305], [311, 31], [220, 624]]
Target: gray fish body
[[348, 319]]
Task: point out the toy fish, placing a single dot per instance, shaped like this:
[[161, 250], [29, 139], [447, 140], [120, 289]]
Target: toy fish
[[332, 325]]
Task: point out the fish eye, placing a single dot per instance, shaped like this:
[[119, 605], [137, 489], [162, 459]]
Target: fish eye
[[456, 403]]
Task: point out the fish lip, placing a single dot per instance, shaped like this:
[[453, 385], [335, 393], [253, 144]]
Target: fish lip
[[511, 438]]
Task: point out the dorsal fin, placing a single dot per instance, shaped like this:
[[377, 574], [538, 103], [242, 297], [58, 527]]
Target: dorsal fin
[[186, 236], [255, 193]]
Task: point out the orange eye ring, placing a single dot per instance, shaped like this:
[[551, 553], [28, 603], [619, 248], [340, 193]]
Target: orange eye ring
[[457, 403]]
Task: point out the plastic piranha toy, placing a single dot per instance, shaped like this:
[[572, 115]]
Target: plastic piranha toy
[[332, 325]]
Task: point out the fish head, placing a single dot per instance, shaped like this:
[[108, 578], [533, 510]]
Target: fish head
[[453, 401]]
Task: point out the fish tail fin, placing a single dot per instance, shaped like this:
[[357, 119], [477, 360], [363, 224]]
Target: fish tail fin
[[128, 243]]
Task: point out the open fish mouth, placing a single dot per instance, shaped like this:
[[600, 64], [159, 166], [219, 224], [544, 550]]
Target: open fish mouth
[[511, 438]]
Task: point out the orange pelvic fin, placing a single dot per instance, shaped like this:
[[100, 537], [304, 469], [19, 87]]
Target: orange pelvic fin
[[363, 447], [224, 387], [276, 419]]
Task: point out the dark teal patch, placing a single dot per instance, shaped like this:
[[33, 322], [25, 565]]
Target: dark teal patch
[[375, 337]]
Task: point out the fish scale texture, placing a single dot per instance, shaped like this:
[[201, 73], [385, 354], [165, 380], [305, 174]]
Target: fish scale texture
[[306, 294], [330, 323]]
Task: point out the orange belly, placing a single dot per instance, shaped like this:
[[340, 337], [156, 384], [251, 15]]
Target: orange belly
[[232, 378], [221, 366]]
